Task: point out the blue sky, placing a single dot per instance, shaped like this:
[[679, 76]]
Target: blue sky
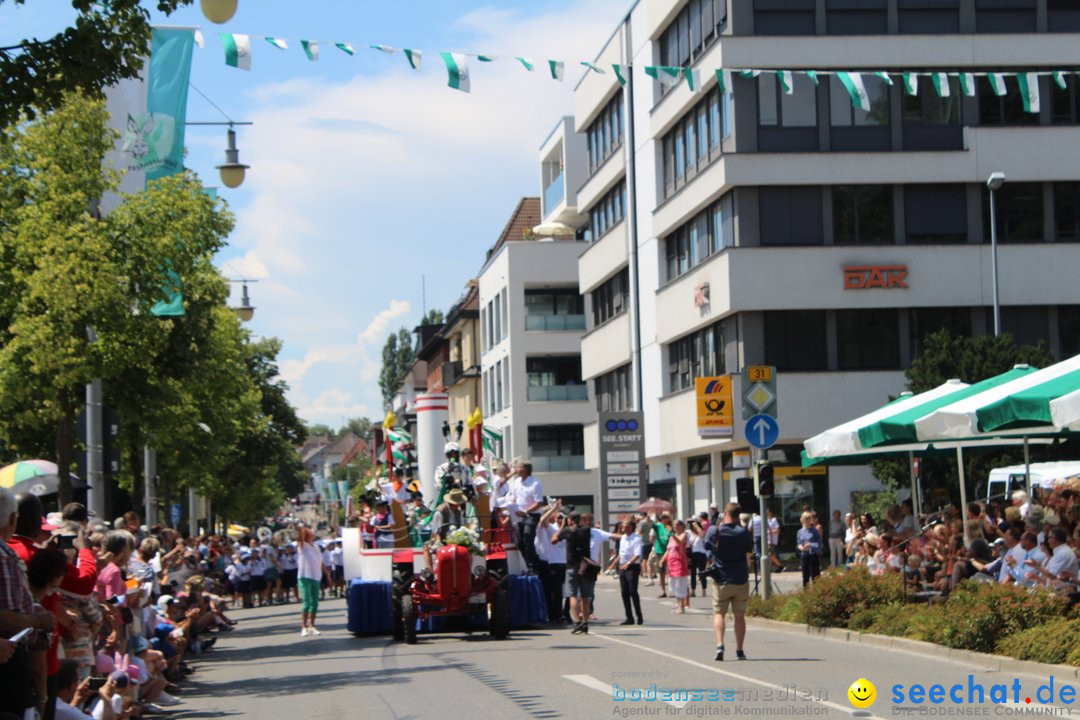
[[366, 175]]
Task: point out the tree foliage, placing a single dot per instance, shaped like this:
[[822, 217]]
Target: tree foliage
[[398, 356], [433, 317], [945, 356], [107, 42]]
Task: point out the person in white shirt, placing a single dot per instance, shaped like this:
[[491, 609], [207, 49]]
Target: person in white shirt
[[1020, 499], [629, 572], [774, 541], [501, 495], [337, 568], [71, 695], [554, 554], [1013, 550], [529, 499], [596, 543], [310, 570], [1060, 569], [1024, 569], [258, 576]]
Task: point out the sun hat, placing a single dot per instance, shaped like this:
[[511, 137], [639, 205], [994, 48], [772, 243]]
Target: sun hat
[[456, 497]]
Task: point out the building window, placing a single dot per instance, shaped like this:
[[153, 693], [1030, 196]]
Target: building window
[[554, 310], [613, 390], [608, 212], [611, 298], [795, 340], [935, 214], [1065, 102], [924, 322], [699, 354], [499, 386], [1063, 16], [505, 311], [784, 17], [932, 122], [1067, 212], [857, 17], [862, 214], [604, 134], [1005, 16], [929, 17], [1005, 110], [1028, 325], [868, 339], [790, 215], [691, 33], [497, 312], [856, 130], [555, 379], [787, 123], [694, 142], [1069, 330], [557, 448], [1019, 212], [710, 231]]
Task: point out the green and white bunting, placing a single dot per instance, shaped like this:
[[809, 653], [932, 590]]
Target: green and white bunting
[[911, 83], [967, 84], [311, 49], [812, 74], [278, 43], [526, 63], [395, 436], [491, 437], [593, 68], [345, 48], [384, 48], [558, 68], [1029, 91], [1059, 78], [787, 81], [414, 57], [693, 78], [487, 58], [997, 83], [884, 76], [941, 84], [724, 80], [457, 67], [237, 51], [669, 76], [853, 83], [620, 73]]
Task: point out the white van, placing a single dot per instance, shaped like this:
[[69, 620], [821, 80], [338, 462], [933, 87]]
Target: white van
[[1004, 480]]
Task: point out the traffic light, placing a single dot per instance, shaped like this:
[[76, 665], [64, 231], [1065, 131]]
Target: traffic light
[[766, 487]]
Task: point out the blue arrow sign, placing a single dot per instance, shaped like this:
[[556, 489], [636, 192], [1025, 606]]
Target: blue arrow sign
[[762, 431]]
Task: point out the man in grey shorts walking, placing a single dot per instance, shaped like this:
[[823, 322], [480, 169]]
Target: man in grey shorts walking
[[728, 547]]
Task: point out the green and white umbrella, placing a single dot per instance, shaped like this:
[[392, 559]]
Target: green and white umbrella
[[1065, 411], [1011, 407], [1034, 406]]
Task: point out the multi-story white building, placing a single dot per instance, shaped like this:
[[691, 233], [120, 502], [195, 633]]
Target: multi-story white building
[[741, 229], [531, 320]]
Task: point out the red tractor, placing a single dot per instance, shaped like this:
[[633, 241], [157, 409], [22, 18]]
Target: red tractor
[[458, 588]]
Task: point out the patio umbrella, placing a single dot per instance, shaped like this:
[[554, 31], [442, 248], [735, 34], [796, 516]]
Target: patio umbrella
[[655, 505], [962, 418], [37, 477], [1065, 411]]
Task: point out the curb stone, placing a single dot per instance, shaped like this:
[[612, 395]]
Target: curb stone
[[999, 663]]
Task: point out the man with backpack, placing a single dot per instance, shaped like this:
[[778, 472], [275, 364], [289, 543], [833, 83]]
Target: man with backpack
[[728, 547]]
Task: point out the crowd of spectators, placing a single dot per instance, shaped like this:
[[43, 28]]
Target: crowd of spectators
[[104, 620], [1030, 541]]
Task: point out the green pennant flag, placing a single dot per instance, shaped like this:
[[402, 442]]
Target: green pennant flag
[[941, 83], [884, 76], [458, 70], [693, 78], [812, 74], [557, 68], [619, 73], [396, 435], [1059, 78], [490, 438], [311, 49], [345, 48], [997, 83], [592, 67], [967, 84], [1029, 91], [853, 83], [787, 81], [414, 57], [237, 50], [278, 43], [667, 75], [526, 63], [384, 48], [911, 83], [749, 73], [487, 58], [724, 81]]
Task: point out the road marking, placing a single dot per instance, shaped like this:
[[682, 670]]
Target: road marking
[[600, 686], [718, 671]]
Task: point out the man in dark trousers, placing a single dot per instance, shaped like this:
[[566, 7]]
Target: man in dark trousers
[[581, 571], [728, 546]]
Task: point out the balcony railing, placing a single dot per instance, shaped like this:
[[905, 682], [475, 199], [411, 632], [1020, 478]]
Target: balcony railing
[[558, 463], [554, 323], [558, 393], [554, 193]]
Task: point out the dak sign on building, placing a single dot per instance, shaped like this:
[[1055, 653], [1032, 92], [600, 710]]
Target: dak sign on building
[[715, 409]]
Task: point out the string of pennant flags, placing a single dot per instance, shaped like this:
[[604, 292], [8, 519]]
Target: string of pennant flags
[[238, 54]]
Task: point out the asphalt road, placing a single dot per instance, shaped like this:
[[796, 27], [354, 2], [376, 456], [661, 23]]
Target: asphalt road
[[265, 670]]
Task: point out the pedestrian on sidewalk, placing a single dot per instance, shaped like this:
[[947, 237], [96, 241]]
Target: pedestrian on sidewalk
[[629, 572], [729, 548], [677, 564], [309, 573], [809, 543], [837, 529]]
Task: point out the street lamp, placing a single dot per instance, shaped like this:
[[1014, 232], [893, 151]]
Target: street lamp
[[994, 183], [246, 311], [232, 172], [218, 11]]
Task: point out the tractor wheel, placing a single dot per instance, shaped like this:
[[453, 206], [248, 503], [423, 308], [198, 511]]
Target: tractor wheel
[[408, 616], [500, 613], [398, 589]]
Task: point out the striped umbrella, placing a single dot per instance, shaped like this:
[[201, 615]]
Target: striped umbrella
[[38, 477]]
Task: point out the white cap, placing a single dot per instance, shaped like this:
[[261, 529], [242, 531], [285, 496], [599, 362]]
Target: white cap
[[451, 447]]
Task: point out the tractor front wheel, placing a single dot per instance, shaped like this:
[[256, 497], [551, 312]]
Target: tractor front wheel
[[408, 616], [500, 613]]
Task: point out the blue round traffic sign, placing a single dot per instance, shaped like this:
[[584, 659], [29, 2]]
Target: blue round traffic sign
[[762, 431]]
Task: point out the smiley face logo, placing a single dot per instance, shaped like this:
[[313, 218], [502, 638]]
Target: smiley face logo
[[862, 693]]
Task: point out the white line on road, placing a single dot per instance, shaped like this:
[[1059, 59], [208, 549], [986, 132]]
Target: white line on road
[[599, 685], [718, 671]]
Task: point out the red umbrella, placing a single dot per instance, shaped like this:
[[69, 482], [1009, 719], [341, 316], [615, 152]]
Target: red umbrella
[[655, 505]]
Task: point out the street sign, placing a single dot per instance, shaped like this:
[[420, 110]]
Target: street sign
[[762, 431], [175, 511], [622, 462], [715, 408], [759, 390]]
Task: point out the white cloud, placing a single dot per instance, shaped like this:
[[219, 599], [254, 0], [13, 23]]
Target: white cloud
[[331, 406], [376, 329]]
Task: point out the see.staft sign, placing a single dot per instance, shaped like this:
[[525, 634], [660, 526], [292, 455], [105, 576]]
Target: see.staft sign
[[869, 277]]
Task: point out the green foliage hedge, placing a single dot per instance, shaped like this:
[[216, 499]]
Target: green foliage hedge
[[982, 617]]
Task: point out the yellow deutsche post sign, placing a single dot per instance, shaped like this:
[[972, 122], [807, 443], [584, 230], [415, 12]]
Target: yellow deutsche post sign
[[715, 409]]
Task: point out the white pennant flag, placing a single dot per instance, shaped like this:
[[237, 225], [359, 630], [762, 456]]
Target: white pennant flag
[[557, 68], [457, 67], [278, 43], [237, 50], [787, 81], [1029, 91], [199, 39], [997, 83], [967, 84], [853, 82], [311, 49], [414, 57]]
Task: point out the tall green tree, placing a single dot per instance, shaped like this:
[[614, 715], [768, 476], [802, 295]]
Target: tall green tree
[[78, 288], [971, 359], [398, 356], [107, 42]]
